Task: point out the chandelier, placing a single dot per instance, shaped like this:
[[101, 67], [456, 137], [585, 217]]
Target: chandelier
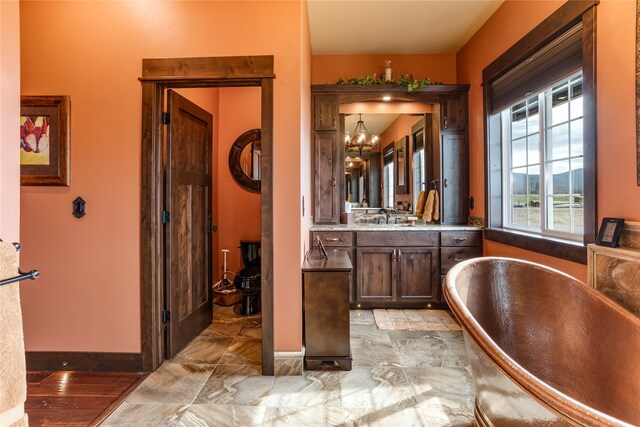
[[361, 140]]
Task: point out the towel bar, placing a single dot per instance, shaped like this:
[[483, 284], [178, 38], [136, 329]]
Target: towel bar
[[32, 275]]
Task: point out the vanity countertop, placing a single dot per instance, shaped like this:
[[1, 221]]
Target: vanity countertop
[[393, 227]]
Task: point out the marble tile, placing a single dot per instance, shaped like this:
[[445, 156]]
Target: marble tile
[[223, 416], [317, 388], [224, 328], [361, 317], [235, 385], [371, 353], [172, 383], [146, 415], [426, 353], [385, 417], [303, 416], [445, 395], [287, 366], [243, 351], [376, 387], [203, 350], [370, 332], [252, 328]]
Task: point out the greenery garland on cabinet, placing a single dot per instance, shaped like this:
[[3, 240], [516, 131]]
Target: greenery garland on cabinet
[[371, 80]]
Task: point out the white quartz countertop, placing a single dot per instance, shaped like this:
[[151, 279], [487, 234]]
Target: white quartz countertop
[[393, 227]]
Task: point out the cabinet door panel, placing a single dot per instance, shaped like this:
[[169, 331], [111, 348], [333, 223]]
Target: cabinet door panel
[[376, 274], [327, 160], [417, 274], [454, 112], [451, 256], [325, 112], [455, 185]]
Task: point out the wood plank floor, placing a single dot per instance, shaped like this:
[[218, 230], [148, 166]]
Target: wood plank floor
[[76, 398]]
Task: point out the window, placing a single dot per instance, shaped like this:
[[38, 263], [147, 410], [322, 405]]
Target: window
[[543, 162], [387, 156], [540, 136], [418, 174]]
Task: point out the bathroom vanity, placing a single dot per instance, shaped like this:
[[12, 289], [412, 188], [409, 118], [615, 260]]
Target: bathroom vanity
[[400, 266]]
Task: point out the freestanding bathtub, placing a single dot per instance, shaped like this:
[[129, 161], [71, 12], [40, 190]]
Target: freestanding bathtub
[[544, 348]]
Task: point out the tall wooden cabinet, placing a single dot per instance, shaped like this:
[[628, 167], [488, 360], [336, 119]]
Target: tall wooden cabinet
[[450, 156], [327, 159]]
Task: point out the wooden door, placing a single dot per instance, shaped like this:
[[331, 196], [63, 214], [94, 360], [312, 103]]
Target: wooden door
[[455, 178], [325, 109], [376, 274], [188, 240], [417, 274]]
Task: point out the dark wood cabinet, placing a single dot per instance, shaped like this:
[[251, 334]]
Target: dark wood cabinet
[[417, 274], [326, 112], [400, 269], [376, 276], [453, 112], [405, 274], [342, 241], [327, 166], [454, 177]]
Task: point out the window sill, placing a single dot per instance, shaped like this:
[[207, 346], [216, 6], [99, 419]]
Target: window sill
[[563, 249]]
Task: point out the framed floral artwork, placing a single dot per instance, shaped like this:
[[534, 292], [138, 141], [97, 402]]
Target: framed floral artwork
[[44, 140]]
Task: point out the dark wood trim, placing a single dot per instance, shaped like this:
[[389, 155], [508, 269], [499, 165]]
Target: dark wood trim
[[158, 75], [83, 361], [225, 67], [563, 18], [574, 252], [151, 232], [638, 91], [266, 166], [590, 127], [559, 21]]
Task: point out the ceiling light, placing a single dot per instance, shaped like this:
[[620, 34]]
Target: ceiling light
[[361, 140], [386, 98]]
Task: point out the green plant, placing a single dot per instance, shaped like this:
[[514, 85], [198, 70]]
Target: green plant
[[410, 83]]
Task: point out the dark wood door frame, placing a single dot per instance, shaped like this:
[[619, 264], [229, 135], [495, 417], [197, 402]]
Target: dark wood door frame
[[158, 75]]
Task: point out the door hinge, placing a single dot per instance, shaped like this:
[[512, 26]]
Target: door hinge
[[164, 217], [166, 316], [166, 118]]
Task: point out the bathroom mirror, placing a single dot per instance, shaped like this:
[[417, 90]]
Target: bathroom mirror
[[244, 160], [401, 148]]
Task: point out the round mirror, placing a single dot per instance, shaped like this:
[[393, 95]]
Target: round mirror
[[244, 160]]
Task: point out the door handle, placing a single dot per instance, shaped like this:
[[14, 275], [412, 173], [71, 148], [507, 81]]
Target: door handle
[[459, 239], [210, 227], [445, 182], [332, 239]]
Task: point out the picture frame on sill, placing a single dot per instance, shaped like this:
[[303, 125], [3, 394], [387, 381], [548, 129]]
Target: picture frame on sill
[[610, 232], [44, 140]]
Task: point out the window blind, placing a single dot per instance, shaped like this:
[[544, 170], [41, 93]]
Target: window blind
[[387, 154], [557, 59]]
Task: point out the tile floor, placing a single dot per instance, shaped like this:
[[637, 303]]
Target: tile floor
[[399, 379]]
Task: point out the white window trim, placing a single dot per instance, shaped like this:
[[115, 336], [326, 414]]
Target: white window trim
[[505, 133]]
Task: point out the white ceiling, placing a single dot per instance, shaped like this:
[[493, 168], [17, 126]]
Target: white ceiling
[[366, 27]]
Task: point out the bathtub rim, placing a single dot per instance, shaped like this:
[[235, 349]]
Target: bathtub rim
[[569, 409]]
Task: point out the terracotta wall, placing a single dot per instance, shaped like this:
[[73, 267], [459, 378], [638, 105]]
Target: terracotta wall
[[9, 119], [305, 131], [618, 194], [330, 68], [88, 295], [239, 210]]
